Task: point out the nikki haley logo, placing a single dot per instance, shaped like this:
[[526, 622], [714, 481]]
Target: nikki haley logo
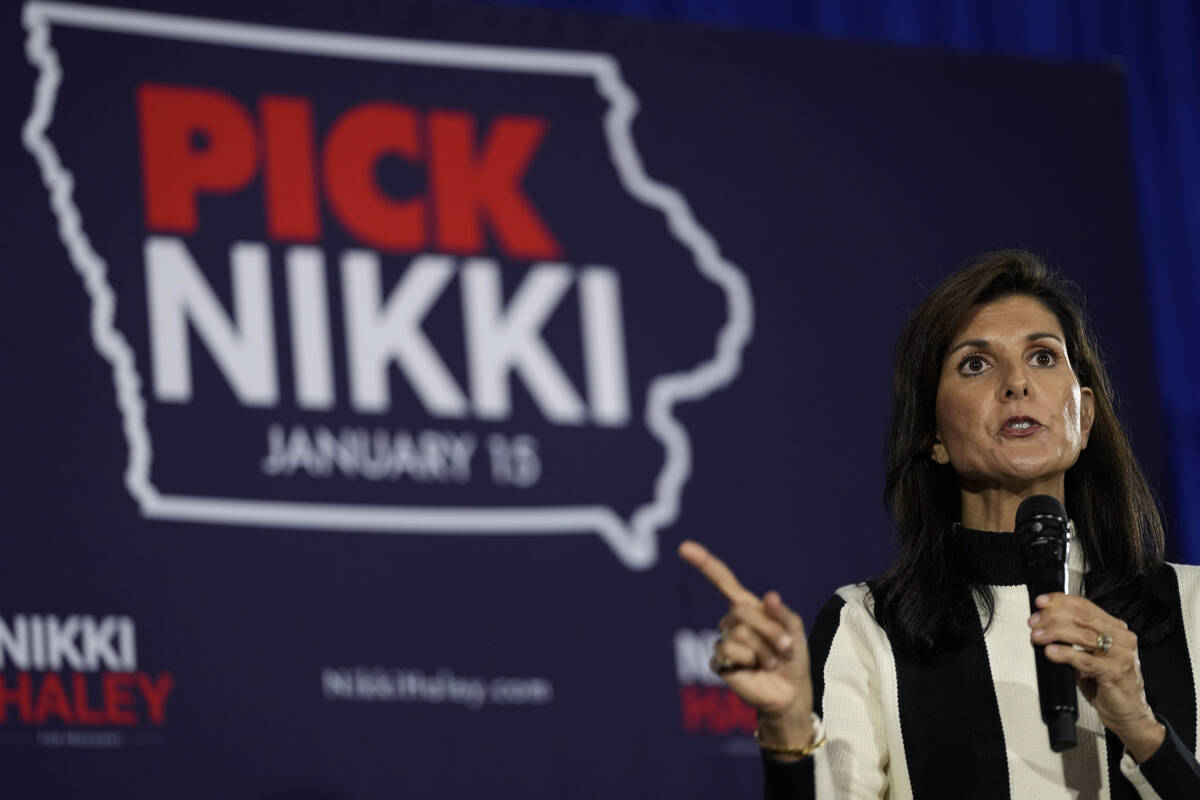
[[358, 283], [77, 671]]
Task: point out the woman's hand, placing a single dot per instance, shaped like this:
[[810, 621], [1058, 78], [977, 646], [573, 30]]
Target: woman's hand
[[762, 653], [1111, 681]]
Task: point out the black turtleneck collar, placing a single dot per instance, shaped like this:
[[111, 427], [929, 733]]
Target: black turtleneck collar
[[995, 556]]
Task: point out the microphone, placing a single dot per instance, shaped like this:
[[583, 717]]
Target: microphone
[[1044, 534]]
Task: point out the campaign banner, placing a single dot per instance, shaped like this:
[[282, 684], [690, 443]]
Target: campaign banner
[[372, 365]]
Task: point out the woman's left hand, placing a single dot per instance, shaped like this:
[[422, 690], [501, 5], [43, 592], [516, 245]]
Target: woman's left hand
[[1111, 681]]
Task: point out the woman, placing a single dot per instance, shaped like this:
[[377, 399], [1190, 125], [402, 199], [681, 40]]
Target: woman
[[922, 683]]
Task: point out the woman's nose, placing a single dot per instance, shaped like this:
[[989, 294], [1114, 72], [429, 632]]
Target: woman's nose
[[1015, 384]]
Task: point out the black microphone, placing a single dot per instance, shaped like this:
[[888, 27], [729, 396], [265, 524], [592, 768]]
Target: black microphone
[[1044, 533]]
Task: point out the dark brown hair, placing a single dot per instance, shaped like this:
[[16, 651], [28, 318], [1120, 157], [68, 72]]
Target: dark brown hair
[[1117, 521]]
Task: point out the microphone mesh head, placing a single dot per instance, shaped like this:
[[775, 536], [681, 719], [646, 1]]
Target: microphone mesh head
[[1039, 505]]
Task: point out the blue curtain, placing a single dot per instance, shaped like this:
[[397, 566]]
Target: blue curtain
[[1158, 44]]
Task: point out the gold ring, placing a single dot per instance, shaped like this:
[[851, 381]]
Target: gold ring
[[1103, 644], [720, 664]]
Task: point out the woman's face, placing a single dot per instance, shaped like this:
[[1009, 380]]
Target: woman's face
[[1010, 412]]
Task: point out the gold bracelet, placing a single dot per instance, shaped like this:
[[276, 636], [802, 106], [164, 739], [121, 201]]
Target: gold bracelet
[[779, 750]]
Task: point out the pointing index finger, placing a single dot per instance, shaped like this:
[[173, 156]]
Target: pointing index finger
[[717, 573]]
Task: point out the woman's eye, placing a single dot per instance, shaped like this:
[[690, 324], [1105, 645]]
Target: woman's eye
[[1045, 358], [972, 365]]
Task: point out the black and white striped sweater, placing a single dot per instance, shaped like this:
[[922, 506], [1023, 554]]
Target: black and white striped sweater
[[967, 724]]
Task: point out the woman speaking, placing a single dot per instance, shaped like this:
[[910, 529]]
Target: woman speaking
[[922, 683]]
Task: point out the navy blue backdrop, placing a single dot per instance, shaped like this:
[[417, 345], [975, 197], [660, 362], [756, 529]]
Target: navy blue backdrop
[[363, 374], [1156, 44]]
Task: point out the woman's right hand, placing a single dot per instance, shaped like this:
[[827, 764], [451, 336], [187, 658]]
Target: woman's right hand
[[762, 653]]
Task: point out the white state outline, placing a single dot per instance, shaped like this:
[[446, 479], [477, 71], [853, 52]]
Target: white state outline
[[635, 544]]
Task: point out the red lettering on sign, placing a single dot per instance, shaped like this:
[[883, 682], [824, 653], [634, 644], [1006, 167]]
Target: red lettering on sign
[[353, 148], [21, 696], [156, 692], [52, 699], [117, 689], [289, 163], [192, 140], [197, 141], [470, 186], [84, 713], [39, 698], [715, 709]]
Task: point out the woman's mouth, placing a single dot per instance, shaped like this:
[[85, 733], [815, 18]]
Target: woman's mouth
[[1020, 426]]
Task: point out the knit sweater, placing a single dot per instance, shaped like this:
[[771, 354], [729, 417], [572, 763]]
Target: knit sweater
[[967, 724]]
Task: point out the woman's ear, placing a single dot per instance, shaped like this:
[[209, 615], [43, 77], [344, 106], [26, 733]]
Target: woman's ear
[[938, 452], [1087, 415]]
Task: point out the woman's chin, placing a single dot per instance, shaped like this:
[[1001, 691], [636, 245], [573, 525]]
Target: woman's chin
[[1034, 471], [1018, 478]]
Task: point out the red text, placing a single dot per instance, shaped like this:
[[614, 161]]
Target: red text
[[198, 141], [116, 699], [715, 709]]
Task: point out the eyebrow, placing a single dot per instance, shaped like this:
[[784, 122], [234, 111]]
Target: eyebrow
[[984, 343]]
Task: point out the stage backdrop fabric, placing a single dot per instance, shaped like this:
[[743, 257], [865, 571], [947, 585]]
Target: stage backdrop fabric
[[366, 365], [1156, 43]]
